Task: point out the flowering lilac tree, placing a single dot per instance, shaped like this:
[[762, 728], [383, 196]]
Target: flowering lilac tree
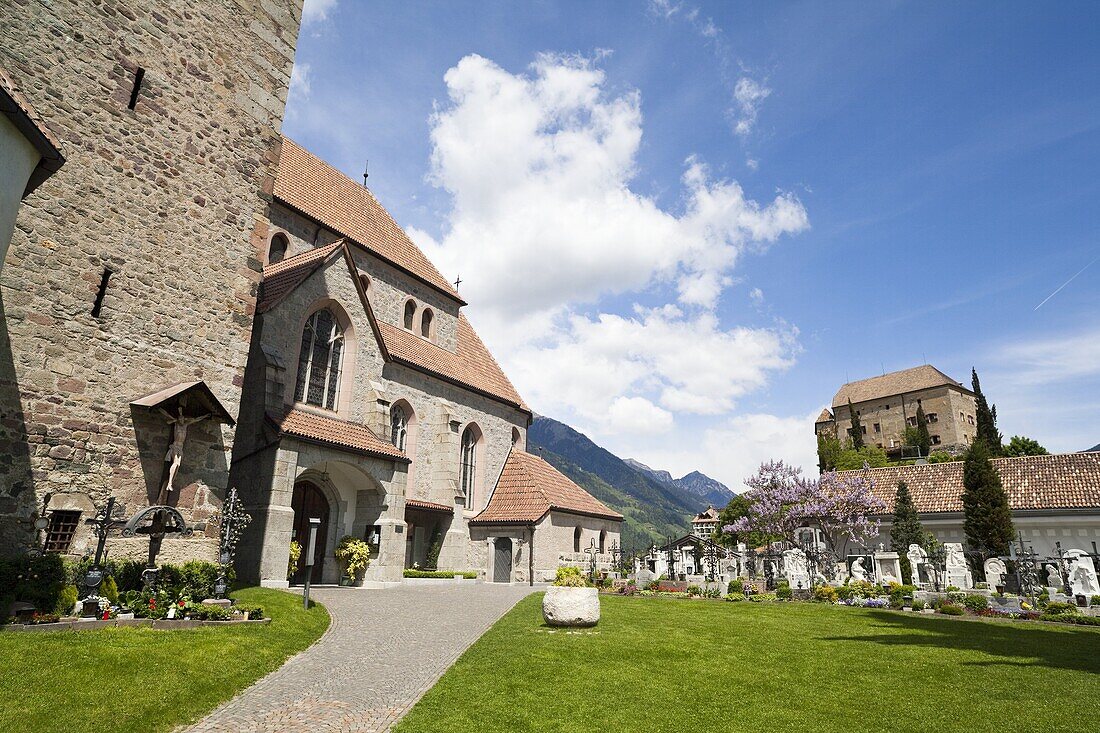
[[784, 501]]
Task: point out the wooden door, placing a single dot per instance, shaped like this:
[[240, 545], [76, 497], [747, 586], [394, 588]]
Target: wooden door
[[309, 502], [502, 561]]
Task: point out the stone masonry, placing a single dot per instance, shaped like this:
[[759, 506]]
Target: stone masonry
[[167, 197]]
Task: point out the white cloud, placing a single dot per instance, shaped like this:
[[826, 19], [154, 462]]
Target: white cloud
[[1051, 359], [544, 228], [300, 82], [756, 295], [316, 10], [752, 164], [749, 95], [666, 8]]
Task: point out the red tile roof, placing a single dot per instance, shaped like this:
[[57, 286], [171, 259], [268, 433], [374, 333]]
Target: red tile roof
[[430, 506], [825, 416], [337, 433], [925, 376], [1061, 481], [282, 278], [316, 189], [472, 365], [529, 487], [18, 108]]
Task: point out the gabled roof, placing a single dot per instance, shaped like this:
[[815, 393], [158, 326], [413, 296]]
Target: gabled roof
[[710, 514], [472, 366], [825, 416], [529, 488], [335, 433], [925, 376], [1059, 481], [316, 189], [17, 107], [194, 398], [689, 539], [282, 278]]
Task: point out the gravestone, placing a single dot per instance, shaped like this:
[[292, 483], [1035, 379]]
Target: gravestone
[[795, 569], [958, 574], [888, 567], [1082, 574], [995, 572], [860, 567]]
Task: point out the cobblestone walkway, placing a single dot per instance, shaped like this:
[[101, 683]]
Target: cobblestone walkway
[[384, 649]]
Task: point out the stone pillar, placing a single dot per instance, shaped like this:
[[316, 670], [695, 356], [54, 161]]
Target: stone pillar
[[445, 477], [378, 411]]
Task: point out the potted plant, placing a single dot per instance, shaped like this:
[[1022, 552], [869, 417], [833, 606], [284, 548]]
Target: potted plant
[[570, 601], [354, 554]]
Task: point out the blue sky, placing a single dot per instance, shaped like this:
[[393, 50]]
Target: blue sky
[[771, 198]]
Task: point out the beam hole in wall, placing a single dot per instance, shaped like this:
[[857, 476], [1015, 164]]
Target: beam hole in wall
[[101, 293], [139, 76]]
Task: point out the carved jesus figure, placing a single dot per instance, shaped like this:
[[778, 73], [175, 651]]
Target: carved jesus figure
[[174, 455]]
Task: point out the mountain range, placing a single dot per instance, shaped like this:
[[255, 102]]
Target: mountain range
[[654, 504]]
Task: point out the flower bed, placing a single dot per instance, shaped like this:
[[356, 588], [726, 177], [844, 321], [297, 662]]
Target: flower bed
[[414, 573]]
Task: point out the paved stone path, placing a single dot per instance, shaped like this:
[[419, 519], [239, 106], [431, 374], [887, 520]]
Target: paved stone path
[[384, 649]]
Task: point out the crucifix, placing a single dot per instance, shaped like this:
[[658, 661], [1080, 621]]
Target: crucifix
[[458, 281], [591, 551], [174, 456]]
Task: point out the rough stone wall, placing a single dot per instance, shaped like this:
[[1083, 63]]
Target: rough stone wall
[[889, 413], [168, 196]]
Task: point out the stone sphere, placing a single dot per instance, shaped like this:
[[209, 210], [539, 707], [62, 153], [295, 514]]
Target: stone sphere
[[571, 606]]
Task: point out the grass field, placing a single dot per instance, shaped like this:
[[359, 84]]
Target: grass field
[[670, 665], [131, 679]]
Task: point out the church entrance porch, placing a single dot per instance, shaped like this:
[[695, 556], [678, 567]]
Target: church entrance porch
[[426, 526]]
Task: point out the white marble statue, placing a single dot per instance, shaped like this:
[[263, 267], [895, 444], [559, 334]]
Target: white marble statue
[[174, 456], [916, 556], [858, 571], [995, 572], [1082, 574], [1054, 578], [955, 556], [958, 574]]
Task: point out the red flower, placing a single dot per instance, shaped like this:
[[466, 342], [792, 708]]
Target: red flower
[[182, 604]]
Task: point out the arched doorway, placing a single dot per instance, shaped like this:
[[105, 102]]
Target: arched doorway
[[309, 501], [502, 560]]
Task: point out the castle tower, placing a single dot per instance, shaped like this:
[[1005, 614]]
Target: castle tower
[[129, 287]]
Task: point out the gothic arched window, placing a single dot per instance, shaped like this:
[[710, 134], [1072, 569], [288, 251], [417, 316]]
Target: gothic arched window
[[319, 361], [399, 427], [410, 314], [277, 250], [603, 541], [470, 437], [577, 539], [426, 323]]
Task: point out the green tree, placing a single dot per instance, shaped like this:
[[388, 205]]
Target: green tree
[[856, 431], [924, 440], [906, 528], [851, 459], [1021, 446], [987, 519], [986, 417], [828, 449], [737, 507]]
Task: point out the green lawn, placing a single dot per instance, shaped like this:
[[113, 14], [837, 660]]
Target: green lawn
[[671, 665], [133, 679]]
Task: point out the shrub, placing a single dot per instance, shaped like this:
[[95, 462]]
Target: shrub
[[193, 579], [413, 573], [249, 612], [734, 596], [295, 556], [784, 593], [38, 580], [950, 609], [844, 592], [1059, 607], [354, 554], [713, 592], [66, 601], [736, 586], [825, 594], [976, 603], [653, 585], [918, 605], [109, 590], [568, 576], [694, 590], [1094, 601]]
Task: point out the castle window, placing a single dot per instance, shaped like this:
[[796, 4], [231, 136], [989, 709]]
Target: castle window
[[276, 251], [426, 323], [878, 428], [468, 474], [59, 534], [933, 417], [912, 421], [319, 361], [410, 314], [935, 440], [399, 427], [515, 436]]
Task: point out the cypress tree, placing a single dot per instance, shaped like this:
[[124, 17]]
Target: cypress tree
[[924, 440], [906, 528], [986, 417], [987, 519], [856, 430]]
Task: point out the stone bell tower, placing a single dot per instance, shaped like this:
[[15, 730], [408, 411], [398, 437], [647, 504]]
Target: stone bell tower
[[129, 288]]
